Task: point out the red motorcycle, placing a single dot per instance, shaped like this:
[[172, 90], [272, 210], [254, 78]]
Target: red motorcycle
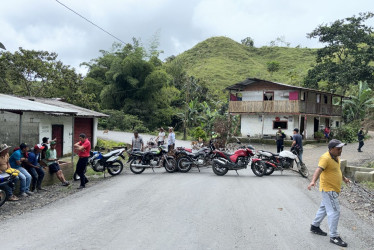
[[241, 159]]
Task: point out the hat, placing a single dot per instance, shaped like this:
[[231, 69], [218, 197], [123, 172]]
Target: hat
[[334, 143], [3, 147], [38, 146], [53, 143], [45, 139], [23, 145]]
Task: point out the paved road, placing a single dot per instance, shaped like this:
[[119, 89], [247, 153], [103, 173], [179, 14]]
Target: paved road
[[183, 211]]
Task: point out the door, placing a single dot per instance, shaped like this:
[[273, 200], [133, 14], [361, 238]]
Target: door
[[83, 125], [58, 133], [316, 124]]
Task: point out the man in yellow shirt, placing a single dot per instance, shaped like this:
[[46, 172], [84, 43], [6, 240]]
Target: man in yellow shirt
[[330, 184]]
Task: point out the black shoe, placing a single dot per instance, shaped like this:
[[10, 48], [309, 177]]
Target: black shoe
[[338, 241], [360, 151], [317, 230], [81, 187], [86, 181]]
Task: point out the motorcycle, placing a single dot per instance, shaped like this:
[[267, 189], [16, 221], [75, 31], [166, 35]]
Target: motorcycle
[[109, 161], [5, 179], [187, 159], [139, 160], [284, 160], [243, 157]]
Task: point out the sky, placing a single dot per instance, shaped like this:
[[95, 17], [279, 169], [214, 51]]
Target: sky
[[179, 24]]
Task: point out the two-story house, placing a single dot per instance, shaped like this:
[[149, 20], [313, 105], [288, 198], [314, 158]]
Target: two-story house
[[264, 106]]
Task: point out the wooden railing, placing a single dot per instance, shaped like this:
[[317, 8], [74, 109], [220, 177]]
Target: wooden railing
[[283, 107]]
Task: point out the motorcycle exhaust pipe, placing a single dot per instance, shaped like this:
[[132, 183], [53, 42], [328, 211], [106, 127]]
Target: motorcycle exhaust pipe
[[140, 166], [220, 162]]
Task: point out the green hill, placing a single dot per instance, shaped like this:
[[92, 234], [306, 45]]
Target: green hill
[[221, 62]]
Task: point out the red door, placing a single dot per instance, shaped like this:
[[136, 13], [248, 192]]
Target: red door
[[58, 133], [83, 125]]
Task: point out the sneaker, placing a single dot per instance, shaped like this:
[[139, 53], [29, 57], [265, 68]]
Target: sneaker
[[81, 187], [338, 241], [41, 189], [317, 230], [66, 183], [23, 195], [29, 193]]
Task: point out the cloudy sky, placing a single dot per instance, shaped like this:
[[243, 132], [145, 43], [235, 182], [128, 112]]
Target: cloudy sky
[[180, 24]]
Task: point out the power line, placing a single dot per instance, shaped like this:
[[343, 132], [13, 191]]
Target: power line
[[97, 26]]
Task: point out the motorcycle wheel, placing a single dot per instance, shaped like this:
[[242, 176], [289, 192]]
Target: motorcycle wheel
[[259, 168], [136, 170], [218, 170], [171, 166], [303, 170], [115, 168], [184, 164], [3, 196], [269, 170]]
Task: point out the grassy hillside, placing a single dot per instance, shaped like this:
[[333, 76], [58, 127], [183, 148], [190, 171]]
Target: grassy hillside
[[221, 62]]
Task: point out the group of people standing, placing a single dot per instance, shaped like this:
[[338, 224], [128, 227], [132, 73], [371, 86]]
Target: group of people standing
[[138, 143]]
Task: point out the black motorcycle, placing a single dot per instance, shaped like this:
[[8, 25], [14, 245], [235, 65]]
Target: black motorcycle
[[158, 158], [108, 161], [187, 159], [5, 179]]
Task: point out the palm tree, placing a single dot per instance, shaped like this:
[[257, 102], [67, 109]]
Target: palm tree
[[358, 106]]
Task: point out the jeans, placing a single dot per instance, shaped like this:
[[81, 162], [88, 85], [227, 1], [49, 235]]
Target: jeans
[[81, 169], [279, 146], [301, 155], [37, 175], [360, 144], [25, 179], [330, 207]]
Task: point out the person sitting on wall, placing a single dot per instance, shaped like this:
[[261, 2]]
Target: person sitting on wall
[[35, 169], [4, 165], [52, 162]]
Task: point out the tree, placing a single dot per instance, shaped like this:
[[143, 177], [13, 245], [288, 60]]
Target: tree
[[273, 67], [358, 106], [347, 58], [248, 41]]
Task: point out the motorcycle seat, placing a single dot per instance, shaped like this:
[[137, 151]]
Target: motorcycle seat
[[267, 153]]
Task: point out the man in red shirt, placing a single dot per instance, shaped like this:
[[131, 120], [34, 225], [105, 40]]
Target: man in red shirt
[[84, 148]]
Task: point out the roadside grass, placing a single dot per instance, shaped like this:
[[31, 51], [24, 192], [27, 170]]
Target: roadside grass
[[368, 185]]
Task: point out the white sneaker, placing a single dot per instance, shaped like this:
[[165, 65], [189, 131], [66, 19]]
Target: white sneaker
[[29, 193], [23, 195]]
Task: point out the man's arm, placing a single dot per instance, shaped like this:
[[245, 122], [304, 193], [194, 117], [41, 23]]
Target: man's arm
[[316, 175]]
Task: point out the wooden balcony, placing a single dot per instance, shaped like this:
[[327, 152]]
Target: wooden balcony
[[290, 107]]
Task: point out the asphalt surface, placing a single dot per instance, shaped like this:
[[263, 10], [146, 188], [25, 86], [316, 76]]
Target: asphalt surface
[[195, 210]]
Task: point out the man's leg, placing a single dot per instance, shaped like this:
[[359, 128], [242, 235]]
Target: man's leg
[[28, 178], [278, 146], [40, 177], [22, 180], [81, 168], [60, 176], [34, 178], [332, 206], [320, 215]]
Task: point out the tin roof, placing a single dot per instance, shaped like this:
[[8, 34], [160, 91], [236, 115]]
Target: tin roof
[[241, 85], [82, 112], [16, 104]]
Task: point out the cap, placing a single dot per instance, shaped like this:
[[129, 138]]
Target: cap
[[334, 143], [23, 145], [53, 143], [45, 139], [3, 147], [82, 135], [38, 146]]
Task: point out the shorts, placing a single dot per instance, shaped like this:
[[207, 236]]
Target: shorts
[[54, 168]]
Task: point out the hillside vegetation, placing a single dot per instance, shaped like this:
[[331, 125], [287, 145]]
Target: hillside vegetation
[[221, 62]]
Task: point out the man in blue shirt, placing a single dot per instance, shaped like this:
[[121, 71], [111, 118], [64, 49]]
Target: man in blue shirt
[[34, 168], [15, 161], [297, 143]]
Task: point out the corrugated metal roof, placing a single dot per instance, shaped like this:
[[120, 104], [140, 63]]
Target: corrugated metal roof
[[241, 85], [12, 103], [83, 112]]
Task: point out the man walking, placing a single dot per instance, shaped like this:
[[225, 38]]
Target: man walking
[[279, 138], [297, 143], [360, 137], [137, 142], [84, 148], [330, 185]]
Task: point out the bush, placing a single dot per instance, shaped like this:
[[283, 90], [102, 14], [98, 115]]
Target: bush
[[318, 135], [347, 132], [198, 132]]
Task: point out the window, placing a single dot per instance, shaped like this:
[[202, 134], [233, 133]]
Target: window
[[337, 124], [282, 124], [268, 96], [325, 99], [318, 98], [302, 96]]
